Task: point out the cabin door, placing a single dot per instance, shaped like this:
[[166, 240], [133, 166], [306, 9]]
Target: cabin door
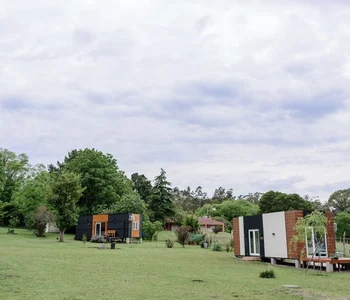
[[254, 242], [98, 229], [316, 245]]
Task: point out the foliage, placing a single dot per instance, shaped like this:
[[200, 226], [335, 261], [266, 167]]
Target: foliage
[[161, 199], [253, 198], [221, 195], [14, 222], [229, 245], [104, 183], [84, 239], [7, 211], [217, 229], [150, 229], [216, 246], [130, 202], [169, 243], [318, 221], [190, 200], [67, 190], [276, 201], [34, 193], [196, 239], [230, 209], [13, 170], [339, 201], [182, 235], [191, 222], [207, 210], [41, 218], [228, 224], [142, 186], [267, 274], [343, 224]]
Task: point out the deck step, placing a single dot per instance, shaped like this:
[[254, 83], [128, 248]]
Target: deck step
[[251, 258]]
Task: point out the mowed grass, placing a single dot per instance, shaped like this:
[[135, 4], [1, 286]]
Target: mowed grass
[[42, 268]]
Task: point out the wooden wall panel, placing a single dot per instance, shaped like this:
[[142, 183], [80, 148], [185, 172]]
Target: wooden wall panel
[[291, 220], [331, 242], [236, 238]]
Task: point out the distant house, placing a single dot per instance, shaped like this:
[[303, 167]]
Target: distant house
[[206, 224]]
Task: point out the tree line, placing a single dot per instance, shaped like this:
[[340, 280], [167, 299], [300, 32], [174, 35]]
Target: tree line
[[88, 181]]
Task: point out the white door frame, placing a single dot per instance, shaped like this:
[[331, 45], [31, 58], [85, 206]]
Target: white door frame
[[254, 252], [98, 233], [313, 242]]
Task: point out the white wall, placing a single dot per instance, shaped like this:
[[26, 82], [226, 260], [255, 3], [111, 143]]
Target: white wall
[[241, 236], [275, 238]]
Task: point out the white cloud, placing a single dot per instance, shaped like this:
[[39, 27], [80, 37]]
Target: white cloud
[[246, 94]]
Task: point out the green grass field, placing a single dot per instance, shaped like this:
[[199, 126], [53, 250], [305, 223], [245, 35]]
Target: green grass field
[[42, 268]]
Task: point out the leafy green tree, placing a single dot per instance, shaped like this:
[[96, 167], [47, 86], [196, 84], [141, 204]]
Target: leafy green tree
[[104, 183], [192, 223], [13, 170], [151, 229], [142, 185], [67, 190], [343, 224], [131, 203], [222, 194], [190, 200], [230, 209], [340, 201], [253, 198], [161, 200], [276, 201], [33, 193]]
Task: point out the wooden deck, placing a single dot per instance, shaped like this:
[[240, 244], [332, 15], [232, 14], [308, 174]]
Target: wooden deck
[[331, 264]]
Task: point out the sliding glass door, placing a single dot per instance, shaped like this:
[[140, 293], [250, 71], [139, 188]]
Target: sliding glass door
[[254, 242]]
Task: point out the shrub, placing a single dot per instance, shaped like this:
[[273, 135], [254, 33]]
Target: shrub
[[84, 239], [150, 229], [196, 239], [191, 222], [229, 245], [182, 235], [14, 221], [42, 217], [169, 243], [267, 274], [216, 246], [217, 229]]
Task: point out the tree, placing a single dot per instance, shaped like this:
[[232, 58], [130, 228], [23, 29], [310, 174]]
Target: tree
[[315, 203], [32, 194], [343, 224], [161, 200], [253, 198], [40, 218], [221, 195], [276, 201], [182, 235], [104, 183], [340, 201], [151, 229], [230, 209], [67, 190], [189, 200], [312, 226], [228, 224], [192, 223], [142, 186], [13, 170], [128, 203]]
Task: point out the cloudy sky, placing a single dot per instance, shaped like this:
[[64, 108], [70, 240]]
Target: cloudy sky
[[249, 95]]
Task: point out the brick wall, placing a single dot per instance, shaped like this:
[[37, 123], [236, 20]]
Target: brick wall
[[291, 220], [236, 238], [331, 246]]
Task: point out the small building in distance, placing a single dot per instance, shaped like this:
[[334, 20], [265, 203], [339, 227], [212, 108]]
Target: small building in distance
[[206, 224]]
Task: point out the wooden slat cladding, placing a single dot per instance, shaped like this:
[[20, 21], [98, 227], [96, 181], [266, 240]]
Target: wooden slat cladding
[[291, 220], [236, 238], [331, 246]]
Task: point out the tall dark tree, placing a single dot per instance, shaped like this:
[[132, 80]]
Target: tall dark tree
[[273, 201], [104, 183], [340, 201], [253, 198], [161, 201], [142, 186], [221, 194], [188, 199]]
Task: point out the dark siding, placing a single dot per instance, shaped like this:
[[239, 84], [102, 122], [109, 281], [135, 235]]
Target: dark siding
[[120, 222], [253, 222], [84, 226]]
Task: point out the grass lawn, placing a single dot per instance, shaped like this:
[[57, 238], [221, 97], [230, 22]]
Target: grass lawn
[[42, 268]]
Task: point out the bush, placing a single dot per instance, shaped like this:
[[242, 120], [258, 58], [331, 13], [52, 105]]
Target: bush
[[192, 222], [14, 222], [169, 243], [182, 235], [229, 245], [42, 217], [84, 239], [217, 229], [216, 246], [196, 239], [228, 224], [267, 274], [150, 230]]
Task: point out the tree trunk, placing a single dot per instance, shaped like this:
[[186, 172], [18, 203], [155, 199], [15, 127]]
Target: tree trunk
[[61, 235]]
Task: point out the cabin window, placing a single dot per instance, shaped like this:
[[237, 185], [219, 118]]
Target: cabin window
[[135, 225], [316, 244], [254, 242]]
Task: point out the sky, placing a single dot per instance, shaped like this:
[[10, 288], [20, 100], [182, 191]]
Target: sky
[[248, 95]]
